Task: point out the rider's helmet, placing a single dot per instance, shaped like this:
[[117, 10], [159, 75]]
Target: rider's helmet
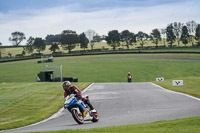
[[129, 73], [66, 85]]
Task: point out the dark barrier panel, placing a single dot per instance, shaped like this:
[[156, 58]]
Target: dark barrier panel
[[71, 79], [46, 76]]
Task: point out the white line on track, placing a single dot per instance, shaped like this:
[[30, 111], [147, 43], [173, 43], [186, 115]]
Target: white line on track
[[176, 92]]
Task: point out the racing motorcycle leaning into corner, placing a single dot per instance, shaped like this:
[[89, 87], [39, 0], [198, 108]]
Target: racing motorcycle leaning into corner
[[79, 110]]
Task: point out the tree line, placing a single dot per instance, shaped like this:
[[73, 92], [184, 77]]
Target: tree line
[[174, 32]]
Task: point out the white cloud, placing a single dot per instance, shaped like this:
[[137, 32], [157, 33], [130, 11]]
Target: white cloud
[[39, 23]]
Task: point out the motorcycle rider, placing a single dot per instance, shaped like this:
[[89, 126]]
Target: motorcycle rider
[[129, 76], [69, 89]]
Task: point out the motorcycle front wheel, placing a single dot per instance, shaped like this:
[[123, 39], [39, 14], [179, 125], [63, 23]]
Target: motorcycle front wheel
[[77, 117]]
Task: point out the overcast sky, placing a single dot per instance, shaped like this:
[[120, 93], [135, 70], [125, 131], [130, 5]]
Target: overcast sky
[[37, 18]]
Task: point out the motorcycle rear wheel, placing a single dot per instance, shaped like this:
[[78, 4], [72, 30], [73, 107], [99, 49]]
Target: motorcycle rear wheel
[[78, 118]]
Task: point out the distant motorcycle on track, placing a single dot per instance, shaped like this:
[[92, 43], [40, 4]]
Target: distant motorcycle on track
[[129, 78], [79, 110]]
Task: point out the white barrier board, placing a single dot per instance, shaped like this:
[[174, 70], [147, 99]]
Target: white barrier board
[[177, 82], [160, 79]]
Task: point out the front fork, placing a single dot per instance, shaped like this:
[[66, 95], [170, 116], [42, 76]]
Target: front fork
[[77, 109], [79, 112]]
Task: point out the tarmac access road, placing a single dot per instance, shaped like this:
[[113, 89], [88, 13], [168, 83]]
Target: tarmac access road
[[122, 104]]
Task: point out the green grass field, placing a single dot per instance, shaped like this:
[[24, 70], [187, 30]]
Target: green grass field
[[107, 68], [25, 103], [191, 85], [187, 125], [19, 91]]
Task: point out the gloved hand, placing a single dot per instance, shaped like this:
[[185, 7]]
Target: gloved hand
[[65, 106]]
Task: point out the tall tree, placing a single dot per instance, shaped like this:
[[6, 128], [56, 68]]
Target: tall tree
[[185, 35], [142, 37], [113, 39], [197, 34], [191, 26], [69, 39], [39, 44], [177, 30], [29, 45], [83, 41], [54, 47], [127, 37], [0, 49], [163, 33], [156, 36], [96, 38], [90, 35], [170, 34], [50, 39], [17, 38]]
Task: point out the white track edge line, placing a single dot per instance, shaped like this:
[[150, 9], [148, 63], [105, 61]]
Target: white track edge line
[[198, 99]]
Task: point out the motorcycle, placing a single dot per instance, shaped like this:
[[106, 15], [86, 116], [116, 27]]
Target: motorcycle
[[129, 78], [79, 110]]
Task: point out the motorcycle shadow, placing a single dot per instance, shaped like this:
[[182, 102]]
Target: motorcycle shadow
[[76, 124]]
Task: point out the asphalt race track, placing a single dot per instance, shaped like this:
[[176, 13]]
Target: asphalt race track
[[122, 104]]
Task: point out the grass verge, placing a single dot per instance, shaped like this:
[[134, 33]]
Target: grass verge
[[26, 103], [186, 125], [191, 85]]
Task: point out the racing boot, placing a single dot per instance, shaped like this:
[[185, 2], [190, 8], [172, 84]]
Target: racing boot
[[93, 111], [84, 113]]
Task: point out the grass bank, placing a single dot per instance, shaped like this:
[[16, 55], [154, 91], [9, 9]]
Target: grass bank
[[108, 68], [13, 51], [191, 85], [26, 103], [187, 125]]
